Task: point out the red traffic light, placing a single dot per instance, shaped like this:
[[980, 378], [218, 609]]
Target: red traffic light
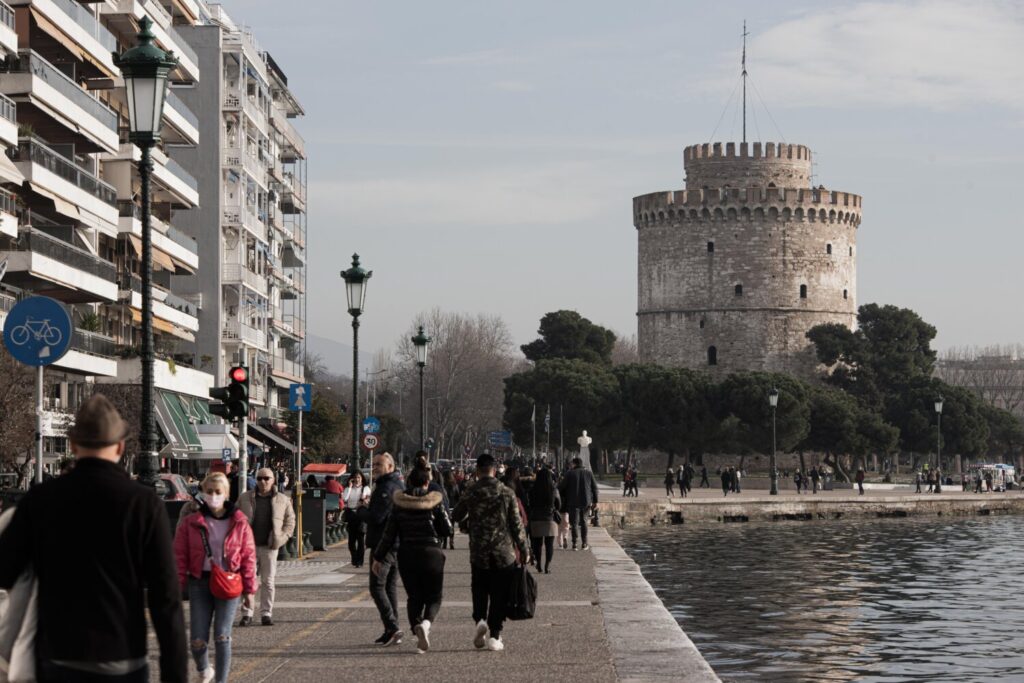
[[239, 374]]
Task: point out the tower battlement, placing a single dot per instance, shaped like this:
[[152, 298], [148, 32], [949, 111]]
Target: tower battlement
[[746, 164], [770, 203], [746, 150]]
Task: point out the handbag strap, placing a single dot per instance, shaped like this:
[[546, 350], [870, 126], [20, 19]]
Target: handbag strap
[[206, 544]]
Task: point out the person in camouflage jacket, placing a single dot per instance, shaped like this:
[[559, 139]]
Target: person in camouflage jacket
[[495, 534]]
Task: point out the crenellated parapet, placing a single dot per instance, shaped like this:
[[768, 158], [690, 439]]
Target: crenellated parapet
[[729, 165], [750, 204], [747, 150]]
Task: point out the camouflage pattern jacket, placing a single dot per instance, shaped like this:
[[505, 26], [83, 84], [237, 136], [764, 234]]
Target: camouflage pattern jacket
[[495, 528]]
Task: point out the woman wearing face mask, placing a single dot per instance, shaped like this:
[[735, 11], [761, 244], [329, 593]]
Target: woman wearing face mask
[[217, 532]]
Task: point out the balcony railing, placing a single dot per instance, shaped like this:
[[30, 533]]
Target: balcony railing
[[68, 254], [175, 168], [134, 282], [7, 15], [288, 367], [296, 323], [235, 272], [234, 329], [87, 20], [7, 302], [8, 204], [29, 61], [179, 106], [30, 149], [93, 343], [8, 109]]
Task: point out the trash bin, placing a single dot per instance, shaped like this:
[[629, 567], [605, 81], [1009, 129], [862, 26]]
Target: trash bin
[[826, 482], [316, 503]]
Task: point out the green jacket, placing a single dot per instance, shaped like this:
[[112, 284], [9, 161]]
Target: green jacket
[[495, 527]]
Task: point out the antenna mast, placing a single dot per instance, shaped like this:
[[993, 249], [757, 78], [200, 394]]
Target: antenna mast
[[744, 75]]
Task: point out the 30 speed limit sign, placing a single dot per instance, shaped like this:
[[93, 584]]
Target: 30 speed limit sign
[[370, 441]]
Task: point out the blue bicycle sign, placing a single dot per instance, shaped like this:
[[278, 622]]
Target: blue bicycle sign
[[37, 331]]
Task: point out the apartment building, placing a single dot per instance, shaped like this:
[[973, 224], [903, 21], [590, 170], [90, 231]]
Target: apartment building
[[69, 204], [250, 225]]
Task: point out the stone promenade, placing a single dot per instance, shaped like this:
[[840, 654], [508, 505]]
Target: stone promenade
[[597, 621]]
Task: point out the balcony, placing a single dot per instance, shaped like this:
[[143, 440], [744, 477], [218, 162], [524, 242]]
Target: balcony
[[243, 216], [236, 331], [125, 15], [235, 100], [8, 121], [8, 214], [91, 354], [249, 159], [60, 176], [69, 22], [179, 247], [236, 273], [293, 147], [289, 369], [57, 107], [172, 183], [53, 267], [182, 119], [172, 314], [8, 33]]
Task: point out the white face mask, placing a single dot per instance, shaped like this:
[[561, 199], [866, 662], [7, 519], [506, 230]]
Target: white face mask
[[214, 501]]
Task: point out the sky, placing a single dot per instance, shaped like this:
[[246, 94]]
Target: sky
[[483, 157]]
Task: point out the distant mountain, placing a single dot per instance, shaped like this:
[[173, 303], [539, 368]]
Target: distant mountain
[[336, 357]]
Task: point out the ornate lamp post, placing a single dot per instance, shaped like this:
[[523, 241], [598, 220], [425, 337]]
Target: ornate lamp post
[[421, 341], [938, 440], [355, 289], [145, 68], [773, 401]]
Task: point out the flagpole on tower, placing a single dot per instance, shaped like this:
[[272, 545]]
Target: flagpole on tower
[[744, 75]]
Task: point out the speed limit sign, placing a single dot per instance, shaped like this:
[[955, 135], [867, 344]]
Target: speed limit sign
[[370, 441]]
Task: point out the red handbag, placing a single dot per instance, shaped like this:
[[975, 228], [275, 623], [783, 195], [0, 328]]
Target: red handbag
[[224, 585]]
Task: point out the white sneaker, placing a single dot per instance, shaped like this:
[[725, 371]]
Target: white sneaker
[[480, 641], [206, 676], [422, 631], [495, 644]]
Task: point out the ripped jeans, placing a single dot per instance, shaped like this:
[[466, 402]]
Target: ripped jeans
[[203, 608]]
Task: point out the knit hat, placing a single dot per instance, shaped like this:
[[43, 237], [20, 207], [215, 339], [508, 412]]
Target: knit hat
[[98, 424]]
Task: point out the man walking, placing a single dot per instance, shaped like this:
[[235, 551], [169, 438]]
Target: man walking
[[815, 477], [383, 583], [272, 519], [859, 477], [579, 493], [496, 533], [100, 547], [704, 483]]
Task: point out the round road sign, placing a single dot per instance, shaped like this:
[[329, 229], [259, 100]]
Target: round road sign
[[370, 441]]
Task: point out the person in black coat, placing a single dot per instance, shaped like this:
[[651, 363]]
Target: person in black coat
[[384, 583], [726, 481], [100, 546], [420, 520], [579, 493], [544, 505]]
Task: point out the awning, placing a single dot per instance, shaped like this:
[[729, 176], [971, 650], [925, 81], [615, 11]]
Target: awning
[[268, 436], [67, 208], [9, 173], [160, 259], [182, 266], [50, 28], [173, 416]]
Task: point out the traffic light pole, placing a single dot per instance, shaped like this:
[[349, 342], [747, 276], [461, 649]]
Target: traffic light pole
[[298, 488], [243, 433]]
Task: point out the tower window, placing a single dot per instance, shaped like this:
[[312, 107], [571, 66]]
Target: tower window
[[739, 290], [851, 251], [846, 294], [828, 248], [712, 355], [803, 291], [711, 247], [702, 323]]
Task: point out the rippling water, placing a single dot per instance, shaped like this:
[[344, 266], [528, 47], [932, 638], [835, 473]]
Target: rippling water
[[870, 600]]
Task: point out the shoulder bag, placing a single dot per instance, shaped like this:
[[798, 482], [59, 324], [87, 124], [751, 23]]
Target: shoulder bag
[[522, 595], [224, 585]]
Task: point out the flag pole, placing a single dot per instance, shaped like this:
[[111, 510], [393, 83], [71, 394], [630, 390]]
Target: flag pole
[[533, 423]]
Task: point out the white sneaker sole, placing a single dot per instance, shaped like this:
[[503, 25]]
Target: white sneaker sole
[[422, 639], [480, 641]]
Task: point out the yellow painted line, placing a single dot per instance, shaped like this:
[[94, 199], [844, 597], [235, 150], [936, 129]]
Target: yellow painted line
[[281, 649]]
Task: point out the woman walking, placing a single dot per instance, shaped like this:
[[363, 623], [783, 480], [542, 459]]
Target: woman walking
[[214, 540], [670, 481], [452, 489], [356, 496], [544, 504], [417, 523]]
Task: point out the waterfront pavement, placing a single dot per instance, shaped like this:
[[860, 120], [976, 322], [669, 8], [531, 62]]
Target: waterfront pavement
[[597, 621]]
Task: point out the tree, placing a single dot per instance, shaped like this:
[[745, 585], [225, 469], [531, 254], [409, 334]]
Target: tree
[[744, 396], [567, 334], [839, 425], [1005, 432], [322, 429], [964, 426], [17, 419]]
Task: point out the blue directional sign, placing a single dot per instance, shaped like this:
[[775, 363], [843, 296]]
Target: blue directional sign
[[500, 439], [227, 454], [37, 331], [300, 397], [371, 425]]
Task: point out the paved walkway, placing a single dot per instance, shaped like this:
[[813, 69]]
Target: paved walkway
[[325, 624]]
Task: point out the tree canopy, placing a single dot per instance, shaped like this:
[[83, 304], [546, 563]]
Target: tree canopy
[[567, 334]]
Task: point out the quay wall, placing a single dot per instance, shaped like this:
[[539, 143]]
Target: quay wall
[[743, 508]]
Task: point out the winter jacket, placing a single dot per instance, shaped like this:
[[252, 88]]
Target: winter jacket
[[282, 518], [578, 488], [239, 549], [495, 528], [100, 545], [381, 501], [416, 520], [18, 621], [543, 504]]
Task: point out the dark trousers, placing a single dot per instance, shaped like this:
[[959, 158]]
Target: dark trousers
[[384, 591], [548, 542], [356, 542], [490, 589], [48, 672], [422, 571], [860, 485], [578, 517]]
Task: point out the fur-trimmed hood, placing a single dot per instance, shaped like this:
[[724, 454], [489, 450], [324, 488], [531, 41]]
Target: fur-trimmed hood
[[410, 502]]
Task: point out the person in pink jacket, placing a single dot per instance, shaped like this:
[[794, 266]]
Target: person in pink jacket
[[231, 544]]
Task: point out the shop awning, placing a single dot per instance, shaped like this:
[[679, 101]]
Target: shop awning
[[176, 419], [9, 173], [215, 438], [268, 436]]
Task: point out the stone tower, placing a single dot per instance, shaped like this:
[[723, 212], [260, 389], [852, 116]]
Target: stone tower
[[735, 269]]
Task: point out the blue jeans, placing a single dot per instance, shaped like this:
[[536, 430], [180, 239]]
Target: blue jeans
[[203, 608]]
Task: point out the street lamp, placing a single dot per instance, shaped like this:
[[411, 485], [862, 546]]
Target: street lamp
[[355, 289], [773, 401], [145, 68], [938, 440], [421, 341]]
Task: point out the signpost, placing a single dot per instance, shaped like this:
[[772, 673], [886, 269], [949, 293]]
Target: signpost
[[37, 332], [500, 439], [300, 400], [226, 454], [371, 425], [370, 441]]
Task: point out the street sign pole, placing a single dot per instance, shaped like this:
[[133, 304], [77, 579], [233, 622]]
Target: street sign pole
[[39, 425], [243, 434], [298, 486]]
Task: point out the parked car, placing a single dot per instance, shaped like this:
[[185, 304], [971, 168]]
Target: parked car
[[445, 465], [172, 487]]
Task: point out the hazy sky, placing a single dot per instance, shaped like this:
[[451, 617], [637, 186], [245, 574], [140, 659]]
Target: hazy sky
[[482, 156]]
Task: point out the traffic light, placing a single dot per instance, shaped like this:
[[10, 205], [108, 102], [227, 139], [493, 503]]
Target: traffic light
[[234, 398]]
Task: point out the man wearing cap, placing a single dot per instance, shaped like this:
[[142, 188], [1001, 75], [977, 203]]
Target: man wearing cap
[[100, 547], [273, 523]]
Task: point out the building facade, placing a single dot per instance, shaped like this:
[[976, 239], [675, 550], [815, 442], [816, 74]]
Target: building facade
[[738, 266]]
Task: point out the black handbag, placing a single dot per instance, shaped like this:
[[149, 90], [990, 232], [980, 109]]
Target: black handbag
[[556, 516], [522, 596]]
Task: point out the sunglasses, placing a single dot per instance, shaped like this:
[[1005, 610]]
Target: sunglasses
[[262, 478]]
